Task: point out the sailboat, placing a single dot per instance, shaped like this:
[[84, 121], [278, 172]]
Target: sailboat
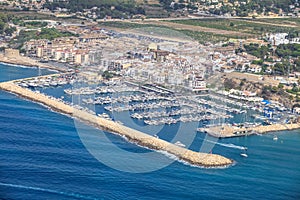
[[275, 137], [244, 153]]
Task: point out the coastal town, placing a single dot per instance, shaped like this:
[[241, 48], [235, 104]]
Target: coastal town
[[149, 99], [245, 85], [228, 8], [167, 62]]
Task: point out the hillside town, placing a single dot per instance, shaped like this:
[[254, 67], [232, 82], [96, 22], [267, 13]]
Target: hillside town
[[140, 57], [92, 11], [164, 61], [149, 99], [248, 65]]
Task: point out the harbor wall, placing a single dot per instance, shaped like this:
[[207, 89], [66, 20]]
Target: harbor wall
[[230, 131], [195, 158]]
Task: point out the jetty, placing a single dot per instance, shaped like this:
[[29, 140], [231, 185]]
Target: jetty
[[140, 138], [227, 131]]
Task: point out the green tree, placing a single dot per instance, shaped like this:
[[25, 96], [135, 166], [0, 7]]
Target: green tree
[[280, 86], [2, 26], [10, 30], [295, 89]]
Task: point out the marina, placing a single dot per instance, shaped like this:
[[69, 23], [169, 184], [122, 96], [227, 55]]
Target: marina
[[195, 158], [161, 106], [48, 81], [150, 99]]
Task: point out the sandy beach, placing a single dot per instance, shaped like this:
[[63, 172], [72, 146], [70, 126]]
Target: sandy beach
[[195, 158], [26, 61]]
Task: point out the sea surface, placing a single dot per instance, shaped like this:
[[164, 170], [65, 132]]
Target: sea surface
[[42, 156]]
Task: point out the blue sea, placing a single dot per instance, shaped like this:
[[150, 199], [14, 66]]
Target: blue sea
[[44, 156]]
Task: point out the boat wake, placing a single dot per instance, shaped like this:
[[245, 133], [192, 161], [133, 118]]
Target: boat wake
[[233, 146], [73, 195]]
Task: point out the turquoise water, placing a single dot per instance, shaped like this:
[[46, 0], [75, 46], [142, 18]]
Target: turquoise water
[[43, 157]]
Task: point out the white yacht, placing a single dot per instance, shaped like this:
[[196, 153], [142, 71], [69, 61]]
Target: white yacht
[[244, 155]]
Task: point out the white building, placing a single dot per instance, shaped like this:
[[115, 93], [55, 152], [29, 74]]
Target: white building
[[278, 38], [254, 69], [197, 83]]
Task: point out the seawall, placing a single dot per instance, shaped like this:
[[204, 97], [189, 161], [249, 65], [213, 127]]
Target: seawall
[[195, 158], [231, 131]]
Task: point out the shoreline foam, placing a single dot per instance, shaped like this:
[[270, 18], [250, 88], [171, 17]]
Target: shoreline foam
[[142, 139]]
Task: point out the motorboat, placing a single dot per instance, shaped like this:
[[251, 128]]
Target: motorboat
[[244, 155]]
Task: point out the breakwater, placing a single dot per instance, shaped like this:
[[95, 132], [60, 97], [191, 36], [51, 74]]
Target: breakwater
[[195, 158], [227, 131]]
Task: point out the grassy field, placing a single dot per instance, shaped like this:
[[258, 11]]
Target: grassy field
[[200, 36], [204, 37], [282, 21], [202, 30], [29, 15], [125, 25], [255, 27], [216, 30]]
